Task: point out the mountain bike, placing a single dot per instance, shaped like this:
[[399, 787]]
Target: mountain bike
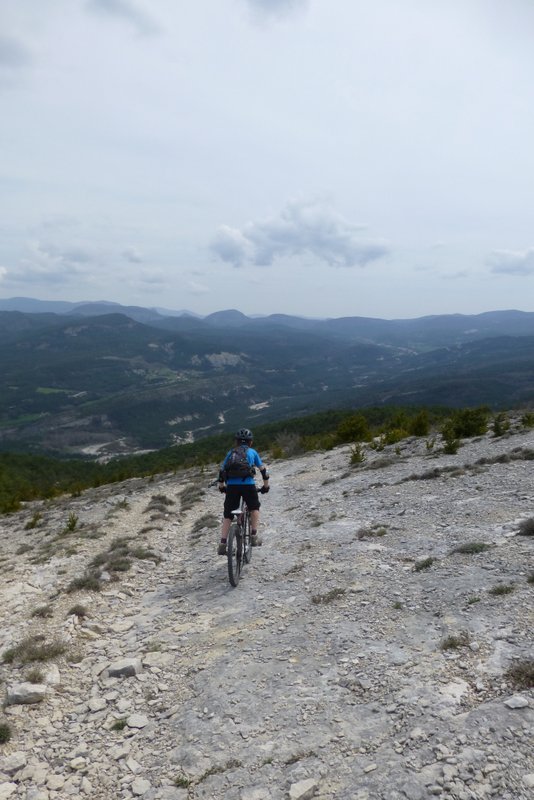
[[239, 543]]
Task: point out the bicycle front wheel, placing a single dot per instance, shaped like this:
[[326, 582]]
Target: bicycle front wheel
[[234, 547]]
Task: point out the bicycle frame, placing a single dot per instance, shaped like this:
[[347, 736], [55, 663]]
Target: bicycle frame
[[239, 542]]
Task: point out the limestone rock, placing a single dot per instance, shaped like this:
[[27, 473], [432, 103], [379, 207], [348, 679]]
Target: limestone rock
[[125, 668], [137, 721], [141, 786], [516, 701], [13, 763], [25, 693], [303, 790]]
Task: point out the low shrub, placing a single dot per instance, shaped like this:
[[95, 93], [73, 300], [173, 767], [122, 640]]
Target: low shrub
[[502, 589], [472, 548], [500, 424], [425, 563], [328, 597], [522, 674], [455, 641], [5, 732], [526, 527], [34, 521], [34, 676], [357, 455], [43, 612], [34, 648], [89, 582], [78, 610]]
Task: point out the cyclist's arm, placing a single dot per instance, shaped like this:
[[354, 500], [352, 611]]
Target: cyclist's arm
[[264, 474]]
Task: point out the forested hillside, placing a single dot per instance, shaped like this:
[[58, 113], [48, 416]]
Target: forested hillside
[[107, 384]]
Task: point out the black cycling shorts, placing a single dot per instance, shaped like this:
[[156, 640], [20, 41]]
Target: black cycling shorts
[[234, 493]]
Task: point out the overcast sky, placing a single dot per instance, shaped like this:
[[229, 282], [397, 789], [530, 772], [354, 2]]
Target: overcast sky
[[316, 157]]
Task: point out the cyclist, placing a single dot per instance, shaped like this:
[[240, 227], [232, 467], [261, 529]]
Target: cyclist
[[236, 479]]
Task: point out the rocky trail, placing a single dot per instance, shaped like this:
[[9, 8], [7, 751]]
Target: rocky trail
[[360, 658]]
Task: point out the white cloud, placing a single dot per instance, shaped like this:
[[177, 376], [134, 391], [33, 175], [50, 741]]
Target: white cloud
[[276, 7], [127, 10], [49, 263], [153, 278], [231, 245], [13, 54], [197, 288], [509, 262], [302, 228], [132, 255]]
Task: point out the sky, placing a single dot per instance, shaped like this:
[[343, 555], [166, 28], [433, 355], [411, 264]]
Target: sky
[[323, 158]]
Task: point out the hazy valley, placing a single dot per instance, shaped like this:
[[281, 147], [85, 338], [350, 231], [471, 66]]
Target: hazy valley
[[102, 379]]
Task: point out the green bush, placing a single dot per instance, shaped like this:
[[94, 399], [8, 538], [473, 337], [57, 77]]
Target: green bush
[[353, 429], [467, 422], [357, 454], [522, 674], [420, 424], [5, 732], [395, 435], [500, 424]]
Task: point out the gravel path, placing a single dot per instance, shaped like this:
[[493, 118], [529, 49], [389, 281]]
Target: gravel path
[[358, 659]]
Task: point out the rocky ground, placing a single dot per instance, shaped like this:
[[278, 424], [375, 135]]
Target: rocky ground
[[360, 658]]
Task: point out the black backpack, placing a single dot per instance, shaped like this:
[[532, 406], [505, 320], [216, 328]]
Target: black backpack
[[237, 465]]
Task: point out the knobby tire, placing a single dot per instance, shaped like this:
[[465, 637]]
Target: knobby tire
[[234, 546]]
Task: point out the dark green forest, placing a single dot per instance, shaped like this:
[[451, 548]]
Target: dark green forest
[[26, 477]]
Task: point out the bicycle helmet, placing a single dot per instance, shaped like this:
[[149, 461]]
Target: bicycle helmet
[[244, 435]]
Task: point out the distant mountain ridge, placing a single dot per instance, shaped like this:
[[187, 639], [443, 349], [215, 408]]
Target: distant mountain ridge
[[103, 378], [420, 332]]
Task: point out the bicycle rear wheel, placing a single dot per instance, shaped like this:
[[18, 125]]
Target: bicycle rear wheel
[[234, 546], [247, 542]]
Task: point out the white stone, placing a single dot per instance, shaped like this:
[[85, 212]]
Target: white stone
[[97, 704], [86, 786], [137, 721], [52, 675], [141, 786], [55, 782], [255, 793], [34, 793], [14, 762], [25, 693], [78, 763], [303, 790], [528, 780], [158, 659], [7, 789], [517, 701]]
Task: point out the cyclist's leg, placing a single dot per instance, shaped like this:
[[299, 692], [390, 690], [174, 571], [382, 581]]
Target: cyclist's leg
[[253, 502]]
